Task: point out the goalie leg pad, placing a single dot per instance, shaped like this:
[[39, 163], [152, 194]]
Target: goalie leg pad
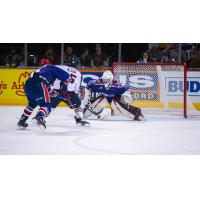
[[95, 106], [127, 110], [123, 111], [136, 111]]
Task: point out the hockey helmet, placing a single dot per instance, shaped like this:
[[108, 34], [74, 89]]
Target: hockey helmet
[[107, 78], [44, 61]]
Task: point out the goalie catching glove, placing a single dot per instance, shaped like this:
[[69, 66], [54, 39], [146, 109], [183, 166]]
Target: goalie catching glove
[[126, 97]]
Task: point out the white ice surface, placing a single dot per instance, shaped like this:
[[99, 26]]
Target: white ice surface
[[115, 135]]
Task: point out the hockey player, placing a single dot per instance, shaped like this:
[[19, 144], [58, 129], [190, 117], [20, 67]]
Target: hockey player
[[111, 91], [67, 92], [37, 89]]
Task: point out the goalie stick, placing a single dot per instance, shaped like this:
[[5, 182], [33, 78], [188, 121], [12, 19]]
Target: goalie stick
[[90, 108], [92, 111]]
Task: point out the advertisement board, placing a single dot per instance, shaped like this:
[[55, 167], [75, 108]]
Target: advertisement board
[[157, 88], [143, 81], [12, 84], [144, 86]]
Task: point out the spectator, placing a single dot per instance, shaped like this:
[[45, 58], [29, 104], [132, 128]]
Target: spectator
[[195, 59], [1, 60], [85, 59], [12, 60], [162, 46], [99, 59], [31, 59], [22, 58], [155, 53], [171, 54], [111, 59], [52, 56], [145, 58], [75, 62], [68, 55]]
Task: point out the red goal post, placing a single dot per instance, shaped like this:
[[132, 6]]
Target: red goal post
[[155, 87]]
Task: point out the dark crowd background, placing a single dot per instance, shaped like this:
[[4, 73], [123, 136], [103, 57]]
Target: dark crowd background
[[98, 55]]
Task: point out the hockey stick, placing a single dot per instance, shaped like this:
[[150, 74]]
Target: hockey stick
[[92, 111], [72, 106], [83, 123], [96, 113]]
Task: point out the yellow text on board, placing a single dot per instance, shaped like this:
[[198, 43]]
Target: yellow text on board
[[12, 86]]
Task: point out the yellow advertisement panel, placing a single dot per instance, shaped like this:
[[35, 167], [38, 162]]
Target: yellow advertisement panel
[[12, 86]]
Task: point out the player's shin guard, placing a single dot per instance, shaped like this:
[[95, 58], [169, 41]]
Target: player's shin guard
[[79, 112], [43, 112], [27, 112], [79, 117]]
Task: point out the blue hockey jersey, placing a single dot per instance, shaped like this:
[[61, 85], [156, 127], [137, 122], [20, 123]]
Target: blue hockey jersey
[[52, 72], [115, 88]]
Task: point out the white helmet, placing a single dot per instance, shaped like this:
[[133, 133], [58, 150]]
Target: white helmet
[[107, 78]]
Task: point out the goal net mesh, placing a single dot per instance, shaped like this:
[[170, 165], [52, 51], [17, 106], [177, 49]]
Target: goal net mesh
[[155, 87]]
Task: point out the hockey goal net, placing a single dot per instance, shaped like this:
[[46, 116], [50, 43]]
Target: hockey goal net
[[158, 88]]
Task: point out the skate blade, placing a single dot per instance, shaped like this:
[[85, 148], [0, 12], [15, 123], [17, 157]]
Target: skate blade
[[21, 128], [140, 120], [85, 125], [102, 117]]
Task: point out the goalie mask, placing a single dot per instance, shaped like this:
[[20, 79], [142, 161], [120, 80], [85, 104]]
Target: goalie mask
[[107, 78]]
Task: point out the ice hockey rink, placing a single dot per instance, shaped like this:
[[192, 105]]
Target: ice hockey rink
[[156, 135]]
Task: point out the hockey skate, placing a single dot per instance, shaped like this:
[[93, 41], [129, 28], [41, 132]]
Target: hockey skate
[[22, 124], [138, 116], [39, 122], [81, 122]]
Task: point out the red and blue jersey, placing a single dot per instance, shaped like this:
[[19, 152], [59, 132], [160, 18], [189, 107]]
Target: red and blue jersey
[[38, 85]]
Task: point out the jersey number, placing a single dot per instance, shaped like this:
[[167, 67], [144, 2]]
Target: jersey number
[[72, 78]]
